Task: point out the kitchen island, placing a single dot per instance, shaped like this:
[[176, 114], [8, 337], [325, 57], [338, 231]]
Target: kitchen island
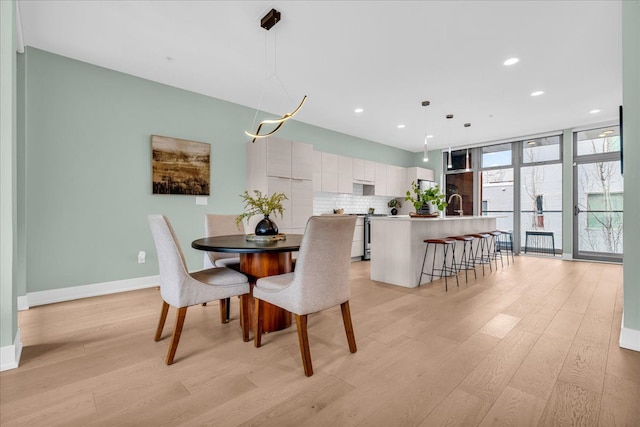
[[397, 244]]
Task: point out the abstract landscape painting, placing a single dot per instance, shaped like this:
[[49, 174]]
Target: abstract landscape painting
[[179, 166]]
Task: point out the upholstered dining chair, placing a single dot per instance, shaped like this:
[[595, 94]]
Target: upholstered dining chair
[[319, 281], [182, 289], [222, 225]]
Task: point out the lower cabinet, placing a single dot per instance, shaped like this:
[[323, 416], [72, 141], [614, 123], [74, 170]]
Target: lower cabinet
[[357, 245]]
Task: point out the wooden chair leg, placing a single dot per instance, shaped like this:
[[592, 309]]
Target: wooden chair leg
[[244, 316], [163, 318], [258, 314], [224, 310], [303, 338], [177, 331], [348, 327]]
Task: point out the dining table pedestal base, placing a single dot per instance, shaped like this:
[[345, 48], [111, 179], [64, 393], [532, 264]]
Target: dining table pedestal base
[[263, 264]]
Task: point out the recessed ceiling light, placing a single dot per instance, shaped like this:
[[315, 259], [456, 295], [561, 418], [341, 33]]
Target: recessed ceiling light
[[594, 111], [537, 93], [429, 136], [606, 132], [358, 110], [511, 61], [531, 142], [400, 126], [602, 135]]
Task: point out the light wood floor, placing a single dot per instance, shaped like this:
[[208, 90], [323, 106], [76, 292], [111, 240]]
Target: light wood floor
[[535, 343]]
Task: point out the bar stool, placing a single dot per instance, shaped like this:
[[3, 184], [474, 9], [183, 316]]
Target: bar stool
[[466, 260], [481, 254], [494, 250], [446, 269], [505, 243]]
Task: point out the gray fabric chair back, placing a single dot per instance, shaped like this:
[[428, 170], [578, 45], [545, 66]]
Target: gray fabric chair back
[[220, 225], [322, 269], [173, 268]]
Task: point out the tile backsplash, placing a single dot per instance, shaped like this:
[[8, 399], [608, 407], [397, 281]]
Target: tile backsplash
[[324, 203]]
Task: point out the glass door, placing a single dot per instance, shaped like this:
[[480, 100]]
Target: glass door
[[598, 195]]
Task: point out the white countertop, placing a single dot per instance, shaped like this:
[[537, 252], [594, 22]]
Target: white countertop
[[439, 218]]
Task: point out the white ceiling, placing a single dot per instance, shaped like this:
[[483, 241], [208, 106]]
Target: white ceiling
[[383, 56]]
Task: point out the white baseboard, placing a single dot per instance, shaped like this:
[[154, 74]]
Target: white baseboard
[[10, 355], [629, 338], [85, 291], [23, 303]]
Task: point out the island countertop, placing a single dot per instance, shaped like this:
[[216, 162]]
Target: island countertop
[[397, 243], [438, 218]]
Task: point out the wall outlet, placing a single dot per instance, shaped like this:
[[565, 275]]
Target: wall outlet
[[142, 257]]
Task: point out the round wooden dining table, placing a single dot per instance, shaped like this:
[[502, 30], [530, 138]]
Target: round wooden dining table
[[258, 259]]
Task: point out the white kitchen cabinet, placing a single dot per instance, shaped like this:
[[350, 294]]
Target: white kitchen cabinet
[[301, 161], [267, 172], [358, 171], [380, 179], [317, 171], [415, 173], [301, 202], [345, 174], [363, 171], [357, 245], [402, 179], [392, 180], [369, 171], [282, 185], [329, 173], [278, 157]]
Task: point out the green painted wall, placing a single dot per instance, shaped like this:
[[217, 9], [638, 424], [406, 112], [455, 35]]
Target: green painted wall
[[8, 203], [631, 137], [88, 167]]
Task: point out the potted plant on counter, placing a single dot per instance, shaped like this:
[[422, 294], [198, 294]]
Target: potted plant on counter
[[265, 205], [394, 204], [423, 200]]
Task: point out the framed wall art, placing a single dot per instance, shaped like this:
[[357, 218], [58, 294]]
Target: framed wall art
[[179, 166]]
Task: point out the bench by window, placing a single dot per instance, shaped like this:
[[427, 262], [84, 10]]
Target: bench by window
[[540, 242]]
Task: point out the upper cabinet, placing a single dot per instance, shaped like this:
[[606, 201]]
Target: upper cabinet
[[302, 161], [380, 180], [415, 174], [345, 174], [363, 171], [279, 166], [278, 157], [333, 173], [317, 171], [329, 173]]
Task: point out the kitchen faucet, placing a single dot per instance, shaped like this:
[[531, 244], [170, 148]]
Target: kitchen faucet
[[459, 211]]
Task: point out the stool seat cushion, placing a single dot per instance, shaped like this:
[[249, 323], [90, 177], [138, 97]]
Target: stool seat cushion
[[446, 241], [462, 238], [480, 235]]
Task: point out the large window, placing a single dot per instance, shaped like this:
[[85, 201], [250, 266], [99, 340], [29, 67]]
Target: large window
[[598, 141], [496, 155], [522, 186], [598, 195], [541, 150]]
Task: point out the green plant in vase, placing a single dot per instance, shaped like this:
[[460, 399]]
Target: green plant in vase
[[422, 200], [265, 205], [394, 204]]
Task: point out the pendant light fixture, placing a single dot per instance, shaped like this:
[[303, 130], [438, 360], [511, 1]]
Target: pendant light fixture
[[425, 155], [467, 164], [267, 22], [449, 158]]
